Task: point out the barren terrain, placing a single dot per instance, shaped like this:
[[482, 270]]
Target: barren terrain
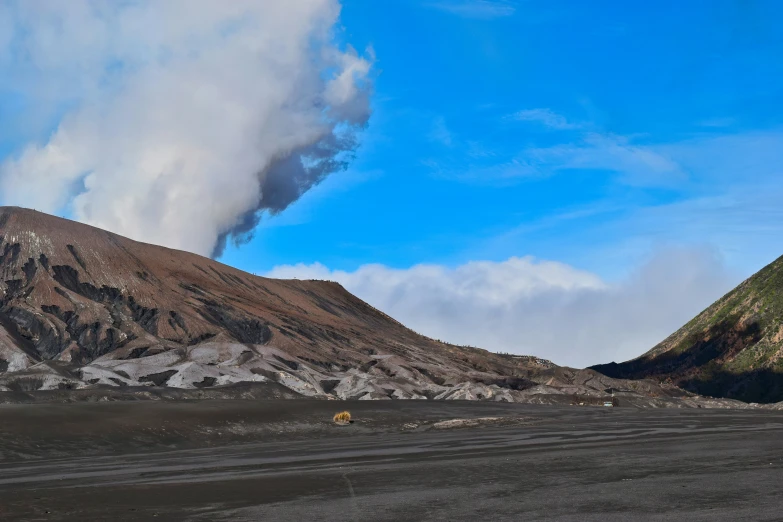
[[81, 307], [400, 460], [86, 311]]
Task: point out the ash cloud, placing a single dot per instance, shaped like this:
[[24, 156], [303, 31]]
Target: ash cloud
[[180, 122], [288, 178]]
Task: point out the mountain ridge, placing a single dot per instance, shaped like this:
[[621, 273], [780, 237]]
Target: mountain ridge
[[109, 310], [732, 349], [84, 310]]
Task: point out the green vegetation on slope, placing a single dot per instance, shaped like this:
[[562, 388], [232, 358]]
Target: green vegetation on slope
[[733, 349]]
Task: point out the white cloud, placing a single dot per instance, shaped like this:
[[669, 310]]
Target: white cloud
[[717, 122], [183, 118], [585, 149], [706, 161], [440, 132], [594, 150], [633, 164], [547, 118], [543, 308], [636, 164], [480, 9]]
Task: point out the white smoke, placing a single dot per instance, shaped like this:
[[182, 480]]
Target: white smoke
[[182, 119]]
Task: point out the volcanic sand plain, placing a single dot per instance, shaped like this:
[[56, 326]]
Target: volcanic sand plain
[[249, 460]]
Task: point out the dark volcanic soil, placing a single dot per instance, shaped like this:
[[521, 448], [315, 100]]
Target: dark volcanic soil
[[284, 460]]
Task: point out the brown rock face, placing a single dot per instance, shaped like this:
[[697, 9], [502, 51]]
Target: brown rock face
[[80, 306]]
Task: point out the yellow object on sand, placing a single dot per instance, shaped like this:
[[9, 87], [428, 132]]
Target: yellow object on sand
[[342, 418]]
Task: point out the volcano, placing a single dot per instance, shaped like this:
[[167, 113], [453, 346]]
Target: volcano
[[82, 307]]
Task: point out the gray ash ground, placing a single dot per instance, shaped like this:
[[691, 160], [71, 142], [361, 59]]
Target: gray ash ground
[[284, 460]]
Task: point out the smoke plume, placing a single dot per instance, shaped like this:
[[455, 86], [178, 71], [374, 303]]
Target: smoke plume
[[178, 122]]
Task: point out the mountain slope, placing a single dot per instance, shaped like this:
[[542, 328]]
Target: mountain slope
[[84, 309], [80, 306], [733, 349]]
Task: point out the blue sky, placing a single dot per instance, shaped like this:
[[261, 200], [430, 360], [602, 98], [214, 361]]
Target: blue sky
[[569, 179], [481, 107]]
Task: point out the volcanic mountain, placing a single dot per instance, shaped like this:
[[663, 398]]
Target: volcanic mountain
[[83, 307], [87, 310], [732, 349]]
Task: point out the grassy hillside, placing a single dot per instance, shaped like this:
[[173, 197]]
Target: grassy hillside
[[733, 349]]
